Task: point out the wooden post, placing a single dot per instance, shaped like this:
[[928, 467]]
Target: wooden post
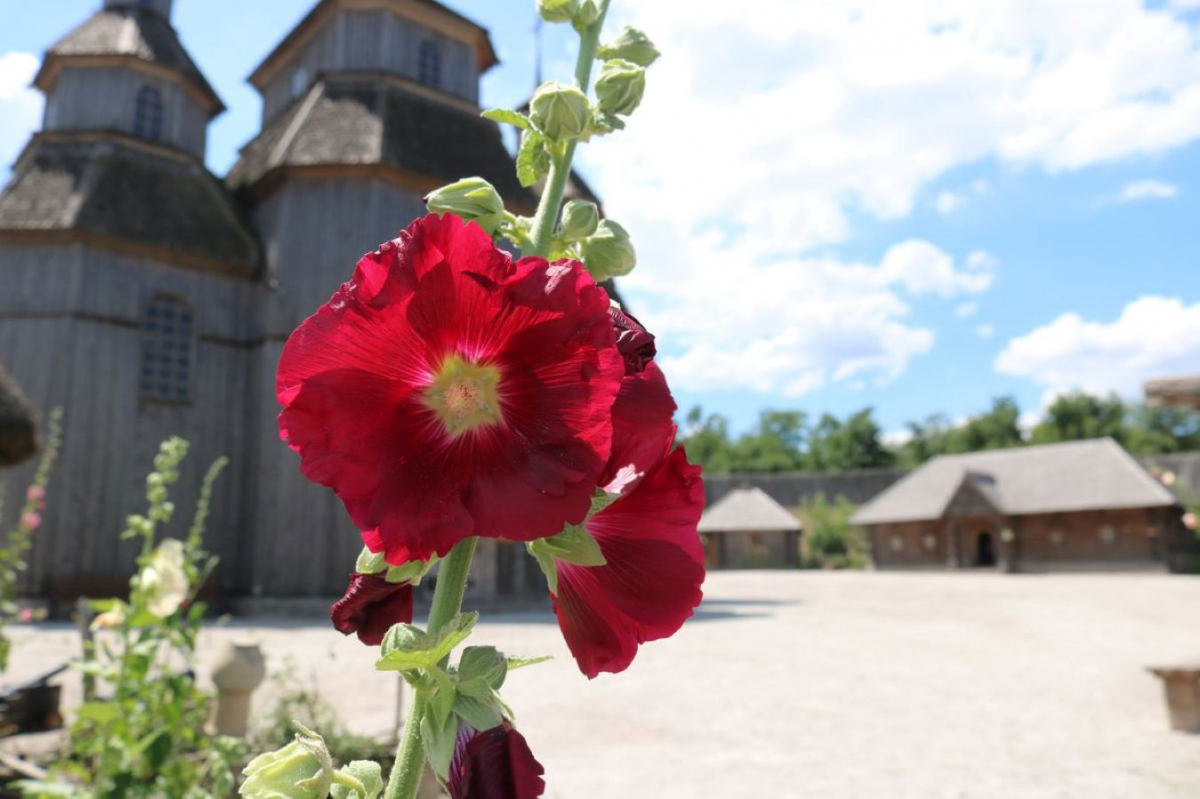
[[952, 560], [1181, 687]]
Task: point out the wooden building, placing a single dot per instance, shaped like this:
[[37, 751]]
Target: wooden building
[[748, 529], [1183, 392], [149, 298], [1085, 504]]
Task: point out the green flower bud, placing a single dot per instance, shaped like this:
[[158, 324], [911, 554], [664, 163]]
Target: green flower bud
[[558, 10], [301, 770], [609, 252], [472, 199], [631, 45], [580, 219], [587, 15], [359, 779], [620, 86], [560, 112]]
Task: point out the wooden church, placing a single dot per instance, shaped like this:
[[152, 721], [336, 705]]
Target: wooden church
[[150, 298]]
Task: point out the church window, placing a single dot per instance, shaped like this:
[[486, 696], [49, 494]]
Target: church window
[[148, 113], [429, 66], [168, 350]]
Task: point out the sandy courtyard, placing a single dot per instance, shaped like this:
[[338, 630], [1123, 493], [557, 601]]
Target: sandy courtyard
[[806, 684]]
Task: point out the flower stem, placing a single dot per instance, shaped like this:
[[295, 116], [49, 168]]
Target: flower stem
[[560, 164], [409, 767]]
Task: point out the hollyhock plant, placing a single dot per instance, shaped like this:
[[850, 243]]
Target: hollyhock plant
[[496, 764], [370, 606], [448, 392]]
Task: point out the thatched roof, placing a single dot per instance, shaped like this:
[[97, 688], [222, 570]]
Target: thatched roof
[[747, 510], [129, 33], [132, 195], [1055, 478], [367, 121], [18, 431]]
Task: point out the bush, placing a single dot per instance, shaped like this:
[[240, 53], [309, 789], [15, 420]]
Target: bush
[[831, 541]]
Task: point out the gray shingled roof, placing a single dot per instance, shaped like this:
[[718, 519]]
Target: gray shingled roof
[[1055, 478], [139, 33], [358, 122], [749, 510], [18, 432], [127, 193]]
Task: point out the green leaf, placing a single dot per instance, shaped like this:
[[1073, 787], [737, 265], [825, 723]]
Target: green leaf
[[533, 162], [439, 740], [99, 712], [368, 775], [481, 714], [370, 562], [407, 647], [484, 663], [574, 545], [503, 115], [477, 688], [546, 563], [518, 662], [441, 703]]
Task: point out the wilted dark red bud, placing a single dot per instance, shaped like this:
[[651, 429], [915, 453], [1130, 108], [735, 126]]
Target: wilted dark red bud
[[496, 764], [370, 606], [633, 342]]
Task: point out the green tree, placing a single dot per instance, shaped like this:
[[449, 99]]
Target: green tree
[[1164, 429], [707, 441], [774, 446], [831, 540], [997, 428], [1079, 416], [856, 443]]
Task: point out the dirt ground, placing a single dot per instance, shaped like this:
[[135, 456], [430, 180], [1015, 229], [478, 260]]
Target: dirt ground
[[808, 684]]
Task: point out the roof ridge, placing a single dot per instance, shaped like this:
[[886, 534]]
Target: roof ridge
[[281, 148]]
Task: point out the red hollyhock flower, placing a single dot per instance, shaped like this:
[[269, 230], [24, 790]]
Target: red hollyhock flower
[[650, 584], [496, 764], [643, 429], [636, 345], [370, 606], [447, 392]]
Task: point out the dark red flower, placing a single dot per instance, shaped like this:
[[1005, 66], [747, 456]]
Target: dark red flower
[[650, 584], [496, 764], [643, 429], [370, 606], [447, 392], [636, 345]]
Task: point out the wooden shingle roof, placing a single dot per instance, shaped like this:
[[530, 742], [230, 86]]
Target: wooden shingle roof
[[368, 122], [134, 33], [126, 194], [747, 510], [1055, 478]]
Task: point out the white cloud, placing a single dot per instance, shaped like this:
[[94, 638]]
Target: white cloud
[[1147, 190], [768, 136], [985, 331], [1153, 336], [947, 202], [966, 310], [20, 106]]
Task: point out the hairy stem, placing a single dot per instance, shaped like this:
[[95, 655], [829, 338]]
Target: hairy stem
[[452, 575], [560, 165]]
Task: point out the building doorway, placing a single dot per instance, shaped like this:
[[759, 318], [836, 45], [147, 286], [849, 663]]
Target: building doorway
[[985, 550]]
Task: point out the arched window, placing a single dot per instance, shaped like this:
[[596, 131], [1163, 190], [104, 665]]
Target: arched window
[[429, 63], [148, 113], [299, 81], [168, 350]]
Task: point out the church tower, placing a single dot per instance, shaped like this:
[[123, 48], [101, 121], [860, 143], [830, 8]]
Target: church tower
[[368, 105], [130, 285]]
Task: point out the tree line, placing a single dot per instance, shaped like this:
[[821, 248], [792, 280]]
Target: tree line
[[789, 441]]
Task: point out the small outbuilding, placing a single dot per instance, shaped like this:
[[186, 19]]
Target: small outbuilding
[[1182, 391], [1083, 504], [748, 529], [18, 431]]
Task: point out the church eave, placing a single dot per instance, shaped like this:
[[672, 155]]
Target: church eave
[[196, 87]]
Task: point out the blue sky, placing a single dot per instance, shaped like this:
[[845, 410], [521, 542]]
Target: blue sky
[[906, 204]]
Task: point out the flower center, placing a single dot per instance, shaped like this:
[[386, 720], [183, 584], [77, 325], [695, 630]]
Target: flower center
[[464, 395]]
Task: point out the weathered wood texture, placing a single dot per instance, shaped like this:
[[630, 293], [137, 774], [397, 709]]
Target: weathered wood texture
[[106, 99], [373, 41], [161, 6]]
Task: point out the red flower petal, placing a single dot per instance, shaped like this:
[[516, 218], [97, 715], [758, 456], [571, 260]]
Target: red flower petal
[[651, 582], [370, 606], [643, 429], [356, 380], [635, 344], [496, 764]]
